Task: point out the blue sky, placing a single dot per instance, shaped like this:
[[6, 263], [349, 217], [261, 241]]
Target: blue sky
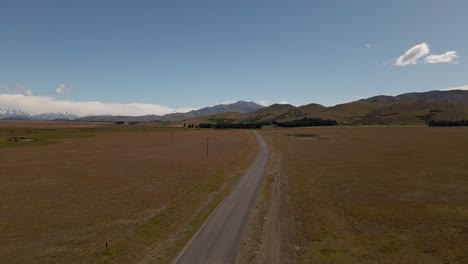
[[173, 55]]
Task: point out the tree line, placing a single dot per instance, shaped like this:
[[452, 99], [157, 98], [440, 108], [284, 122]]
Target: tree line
[[305, 122], [445, 123], [230, 126]]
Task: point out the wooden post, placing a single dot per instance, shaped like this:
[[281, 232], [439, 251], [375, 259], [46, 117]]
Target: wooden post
[[207, 142], [106, 247]]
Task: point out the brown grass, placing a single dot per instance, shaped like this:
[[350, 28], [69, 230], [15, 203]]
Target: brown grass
[[32, 124], [270, 231], [377, 195], [61, 202]]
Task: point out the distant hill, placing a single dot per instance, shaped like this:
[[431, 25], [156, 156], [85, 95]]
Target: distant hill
[[275, 112], [311, 108], [272, 112], [53, 116], [405, 109], [111, 118], [14, 114], [453, 96], [237, 107], [16, 118], [399, 113]]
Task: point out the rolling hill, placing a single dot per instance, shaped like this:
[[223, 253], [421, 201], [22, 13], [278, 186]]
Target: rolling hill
[[405, 109], [454, 96], [238, 107]]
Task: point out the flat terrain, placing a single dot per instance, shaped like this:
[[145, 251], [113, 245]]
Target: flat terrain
[[363, 195], [219, 239], [143, 190]]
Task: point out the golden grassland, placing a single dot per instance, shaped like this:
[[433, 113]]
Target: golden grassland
[[270, 230], [376, 195], [142, 189]]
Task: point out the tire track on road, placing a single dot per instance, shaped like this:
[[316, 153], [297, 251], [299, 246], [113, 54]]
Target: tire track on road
[[218, 240]]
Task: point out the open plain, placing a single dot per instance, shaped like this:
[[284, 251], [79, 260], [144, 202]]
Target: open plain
[[362, 195], [143, 191], [330, 195]]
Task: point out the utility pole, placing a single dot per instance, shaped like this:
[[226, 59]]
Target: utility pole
[[207, 143]]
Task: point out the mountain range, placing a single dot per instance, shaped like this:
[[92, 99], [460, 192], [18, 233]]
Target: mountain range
[[452, 96], [238, 107], [14, 114], [404, 109]]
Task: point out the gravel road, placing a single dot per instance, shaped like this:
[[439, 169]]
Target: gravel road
[[218, 240]]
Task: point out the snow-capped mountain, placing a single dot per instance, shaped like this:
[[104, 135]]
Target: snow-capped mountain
[[6, 113], [18, 114], [52, 116]]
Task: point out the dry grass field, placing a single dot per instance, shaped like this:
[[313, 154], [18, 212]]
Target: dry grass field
[[143, 190], [365, 195]]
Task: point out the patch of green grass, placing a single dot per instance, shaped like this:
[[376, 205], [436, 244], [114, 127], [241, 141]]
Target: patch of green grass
[[46, 136]]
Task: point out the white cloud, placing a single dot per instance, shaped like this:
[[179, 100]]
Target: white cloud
[[369, 45], [62, 88], [17, 87], [464, 87], [412, 55], [261, 102], [447, 57], [42, 104], [227, 102], [420, 51], [26, 92], [283, 102]]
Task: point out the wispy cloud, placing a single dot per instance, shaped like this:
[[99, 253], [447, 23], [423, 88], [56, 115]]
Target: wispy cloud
[[261, 102], [226, 102], [447, 57], [464, 87], [370, 45], [42, 104], [17, 87], [412, 55], [62, 88]]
